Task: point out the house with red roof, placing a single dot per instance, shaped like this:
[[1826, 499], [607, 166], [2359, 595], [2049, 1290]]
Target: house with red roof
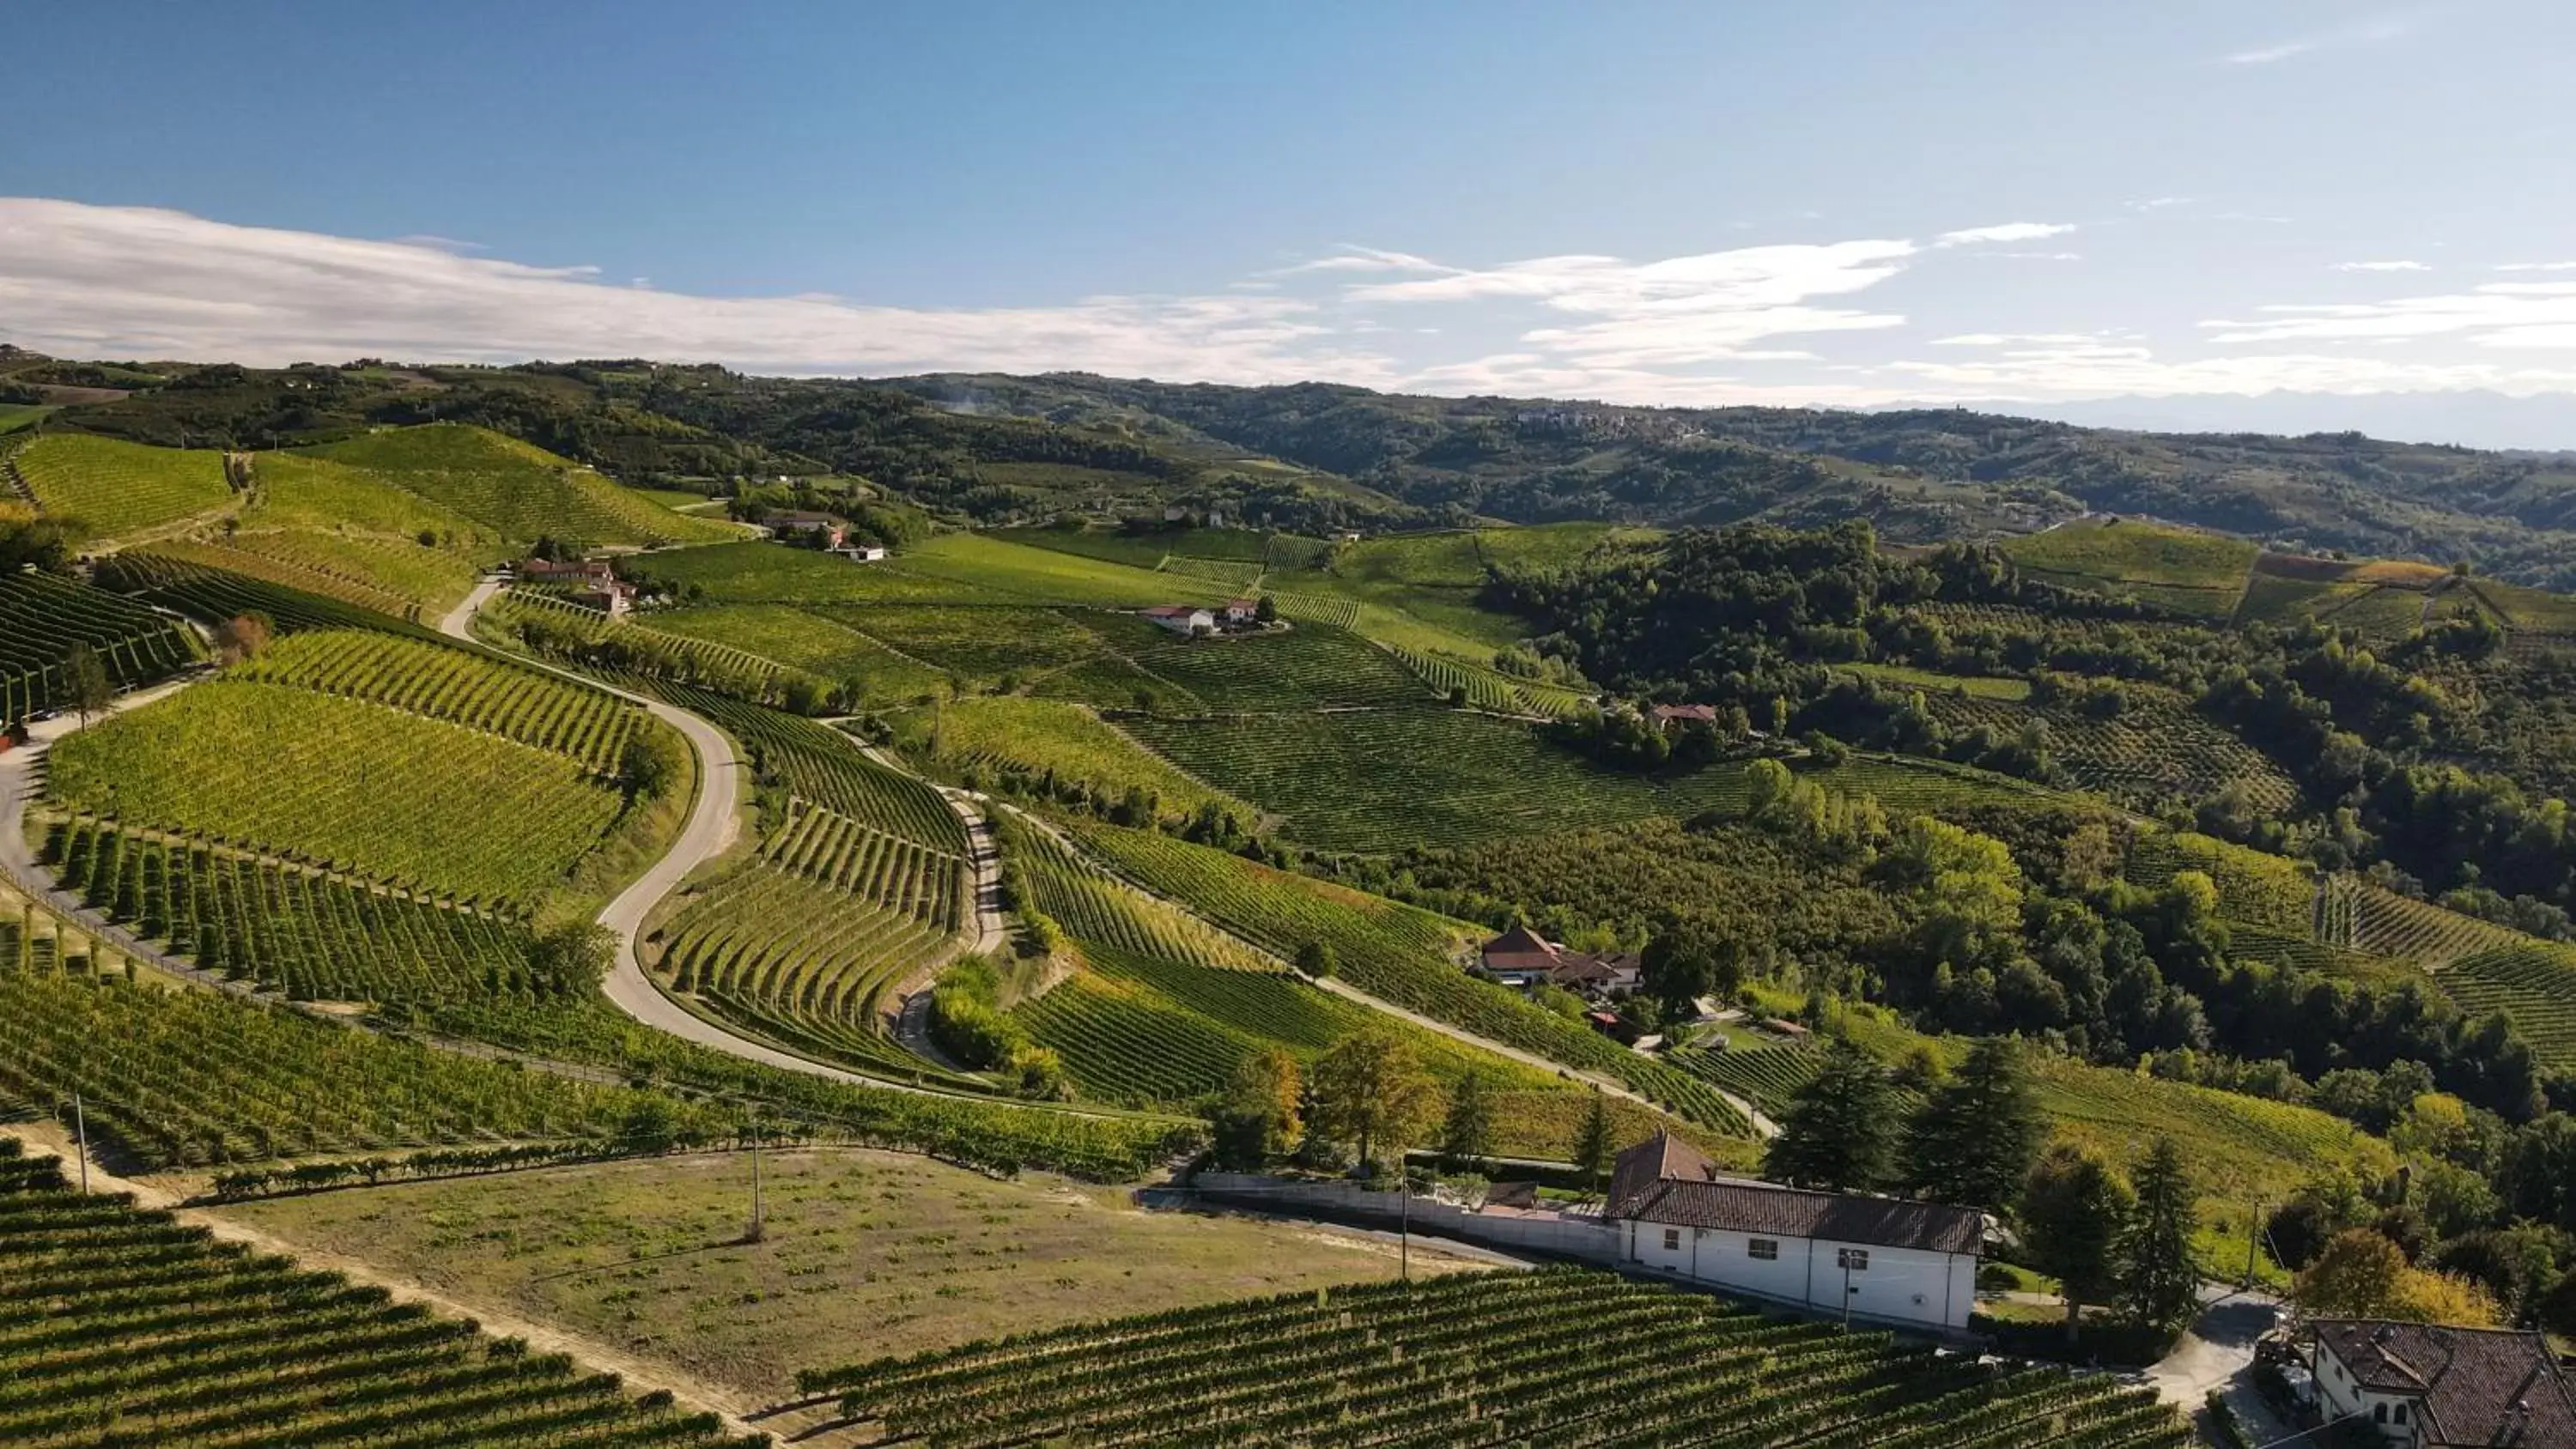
[[2431, 1386]]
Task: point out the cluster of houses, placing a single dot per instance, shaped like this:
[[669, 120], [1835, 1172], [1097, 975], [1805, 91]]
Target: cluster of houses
[[1522, 958], [825, 531], [594, 582], [1191, 621]]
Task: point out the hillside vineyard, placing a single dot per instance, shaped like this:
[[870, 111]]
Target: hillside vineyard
[[647, 858]]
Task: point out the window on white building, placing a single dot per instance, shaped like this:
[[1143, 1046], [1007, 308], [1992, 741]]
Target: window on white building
[[1672, 1240], [1767, 1249], [2400, 1416], [1855, 1259], [2379, 1413]]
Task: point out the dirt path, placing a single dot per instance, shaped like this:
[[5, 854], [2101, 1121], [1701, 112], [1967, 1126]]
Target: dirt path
[[640, 1375]]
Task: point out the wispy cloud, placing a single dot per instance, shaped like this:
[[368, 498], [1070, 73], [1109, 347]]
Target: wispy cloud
[[2496, 314], [1362, 259], [2010, 231], [2381, 267], [2537, 267], [2377, 31]]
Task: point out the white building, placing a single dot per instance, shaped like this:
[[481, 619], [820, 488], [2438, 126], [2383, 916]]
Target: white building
[[2429, 1386], [1886, 1259], [1182, 619]]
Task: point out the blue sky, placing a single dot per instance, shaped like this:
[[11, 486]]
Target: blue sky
[[2041, 204]]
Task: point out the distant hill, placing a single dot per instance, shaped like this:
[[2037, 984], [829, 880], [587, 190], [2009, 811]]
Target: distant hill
[[1314, 456]]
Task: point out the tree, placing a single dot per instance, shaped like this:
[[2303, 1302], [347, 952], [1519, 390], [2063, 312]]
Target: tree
[[1370, 1089], [243, 636], [1687, 959], [1258, 1119], [1315, 958], [647, 767], [1594, 1146], [1265, 610], [2159, 1283], [572, 959], [1467, 1135], [2356, 1275], [85, 682], [2074, 1207], [1974, 1139], [1838, 1132]]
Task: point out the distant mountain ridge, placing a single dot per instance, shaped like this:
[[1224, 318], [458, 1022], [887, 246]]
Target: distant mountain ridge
[[994, 448]]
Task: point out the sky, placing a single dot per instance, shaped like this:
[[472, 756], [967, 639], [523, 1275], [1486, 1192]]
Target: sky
[[2272, 215]]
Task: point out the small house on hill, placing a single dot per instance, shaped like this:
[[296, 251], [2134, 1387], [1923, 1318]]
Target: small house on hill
[[1881, 1258], [613, 597], [1671, 717], [1242, 611], [800, 524], [1523, 958], [566, 571], [1182, 619], [2427, 1385]]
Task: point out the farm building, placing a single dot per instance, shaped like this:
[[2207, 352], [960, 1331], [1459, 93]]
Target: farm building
[[1182, 619], [1242, 611], [566, 571], [2423, 1384], [862, 553], [612, 597], [1523, 958], [1671, 717], [1872, 1257], [832, 531]]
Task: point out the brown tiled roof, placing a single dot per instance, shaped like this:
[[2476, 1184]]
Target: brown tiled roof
[[1665, 713], [2485, 1386], [1748, 1207], [1520, 949], [1652, 1161]]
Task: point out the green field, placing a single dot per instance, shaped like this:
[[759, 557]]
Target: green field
[[391, 576], [1479, 1360], [518, 491], [184, 1343], [999, 735], [341, 782], [110, 489], [806, 640], [769, 573], [294, 491], [2183, 569], [1382, 780]]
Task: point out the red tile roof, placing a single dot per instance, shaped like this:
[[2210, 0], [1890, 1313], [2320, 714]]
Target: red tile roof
[[2484, 1386]]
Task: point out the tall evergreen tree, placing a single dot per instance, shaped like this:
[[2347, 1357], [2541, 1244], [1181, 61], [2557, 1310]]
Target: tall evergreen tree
[[2159, 1284], [2073, 1210], [1839, 1131], [1594, 1145], [1467, 1133], [1974, 1139]]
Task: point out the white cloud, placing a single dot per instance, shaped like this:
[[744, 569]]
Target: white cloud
[[2496, 314], [2010, 231], [2006, 339], [2381, 267], [2537, 267], [2369, 32], [2158, 203], [1363, 259]]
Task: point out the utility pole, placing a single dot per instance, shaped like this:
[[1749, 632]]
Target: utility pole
[[1404, 1232], [2253, 1241], [80, 1126], [759, 1223]]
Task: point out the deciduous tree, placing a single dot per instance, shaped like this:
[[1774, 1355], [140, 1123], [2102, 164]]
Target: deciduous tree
[[2074, 1208], [1370, 1090]]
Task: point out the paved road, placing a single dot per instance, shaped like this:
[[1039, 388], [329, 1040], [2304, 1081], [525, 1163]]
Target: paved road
[[2217, 1353]]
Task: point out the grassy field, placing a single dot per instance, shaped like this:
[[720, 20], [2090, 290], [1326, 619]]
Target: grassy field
[[110, 489], [1933, 682], [806, 640], [342, 782], [2185, 569], [15, 417], [995, 734], [755, 572], [868, 1253], [517, 490], [1381, 780]]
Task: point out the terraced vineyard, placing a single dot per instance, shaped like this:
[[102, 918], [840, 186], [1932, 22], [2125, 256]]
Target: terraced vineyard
[[1768, 1076], [44, 617], [1394, 952], [1479, 1360], [1314, 667], [311, 937], [2158, 750], [2254, 887], [185, 1078], [293, 491], [1102, 911], [809, 640], [391, 576], [1381, 780], [1038, 740], [2385, 923], [458, 685], [338, 782], [111, 489], [558, 626], [515, 489], [2533, 983], [827, 768], [212, 594], [1491, 689], [125, 1318]]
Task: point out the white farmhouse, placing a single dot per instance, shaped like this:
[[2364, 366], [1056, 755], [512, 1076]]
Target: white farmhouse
[[1182, 619], [2426, 1385], [1911, 1263]]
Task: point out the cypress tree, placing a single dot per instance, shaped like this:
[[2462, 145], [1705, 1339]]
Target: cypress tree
[[1974, 1139], [1838, 1132], [2159, 1284]]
